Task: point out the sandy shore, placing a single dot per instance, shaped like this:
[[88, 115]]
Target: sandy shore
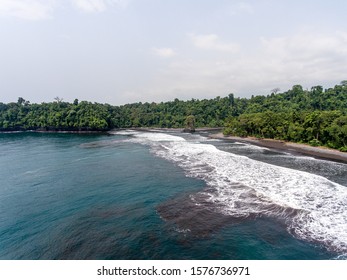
[[295, 148], [318, 152]]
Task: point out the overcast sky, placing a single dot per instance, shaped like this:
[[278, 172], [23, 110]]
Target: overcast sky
[[124, 51]]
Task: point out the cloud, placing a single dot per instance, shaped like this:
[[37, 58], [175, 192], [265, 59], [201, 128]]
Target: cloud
[[27, 9], [44, 9], [306, 46], [91, 6], [241, 8], [213, 43], [164, 52], [307, 58], [304, 58]]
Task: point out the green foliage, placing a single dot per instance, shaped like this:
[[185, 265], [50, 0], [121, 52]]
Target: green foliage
[[315, 143], [60, 115], [317, 128], [190, 123], [317, 116], [343, 149]]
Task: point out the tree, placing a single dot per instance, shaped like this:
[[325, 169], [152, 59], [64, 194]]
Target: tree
[[231, 99], [20, 101], [190, 124], [315, 116], [275, 90], [58, 99]]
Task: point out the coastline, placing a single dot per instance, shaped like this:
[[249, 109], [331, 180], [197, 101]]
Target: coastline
[[215, 133], [62, 131], [295, 148], [317, 152]]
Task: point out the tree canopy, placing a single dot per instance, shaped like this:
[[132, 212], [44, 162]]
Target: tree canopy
[[317, 116]]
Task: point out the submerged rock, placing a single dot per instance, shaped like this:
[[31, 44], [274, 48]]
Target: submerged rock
[[189, 130]]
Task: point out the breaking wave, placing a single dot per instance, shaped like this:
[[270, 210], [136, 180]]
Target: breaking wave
[[313, 208]]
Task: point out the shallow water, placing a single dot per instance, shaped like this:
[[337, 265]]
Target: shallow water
[[150, 195]]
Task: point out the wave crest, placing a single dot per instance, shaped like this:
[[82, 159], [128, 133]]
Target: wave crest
[[313, 207]]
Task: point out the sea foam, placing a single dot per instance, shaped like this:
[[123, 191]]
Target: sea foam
[[313, 207]]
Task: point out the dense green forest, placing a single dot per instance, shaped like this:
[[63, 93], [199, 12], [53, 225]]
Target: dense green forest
[[317, 116]]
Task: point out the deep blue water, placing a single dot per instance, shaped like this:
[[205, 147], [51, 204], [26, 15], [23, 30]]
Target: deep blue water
[[161, 196]]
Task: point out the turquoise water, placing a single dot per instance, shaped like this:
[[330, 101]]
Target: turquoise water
[[135, 195]]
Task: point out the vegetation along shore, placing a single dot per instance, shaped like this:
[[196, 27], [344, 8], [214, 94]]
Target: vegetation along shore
[[315, 116]]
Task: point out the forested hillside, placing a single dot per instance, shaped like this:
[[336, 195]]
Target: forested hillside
[[317, 116], [85, 115]]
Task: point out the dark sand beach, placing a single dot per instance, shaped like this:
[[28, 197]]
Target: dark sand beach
[[319, 152], [296, 148]]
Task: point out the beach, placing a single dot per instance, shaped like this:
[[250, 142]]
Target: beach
[[319, 152], [294, 148]]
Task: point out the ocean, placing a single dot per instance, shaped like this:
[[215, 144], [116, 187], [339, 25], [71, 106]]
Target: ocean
[[166, 195]]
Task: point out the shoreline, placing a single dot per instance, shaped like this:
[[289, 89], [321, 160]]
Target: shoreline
[[295, 148], [56, 131], [317, 152], [304, 149]]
